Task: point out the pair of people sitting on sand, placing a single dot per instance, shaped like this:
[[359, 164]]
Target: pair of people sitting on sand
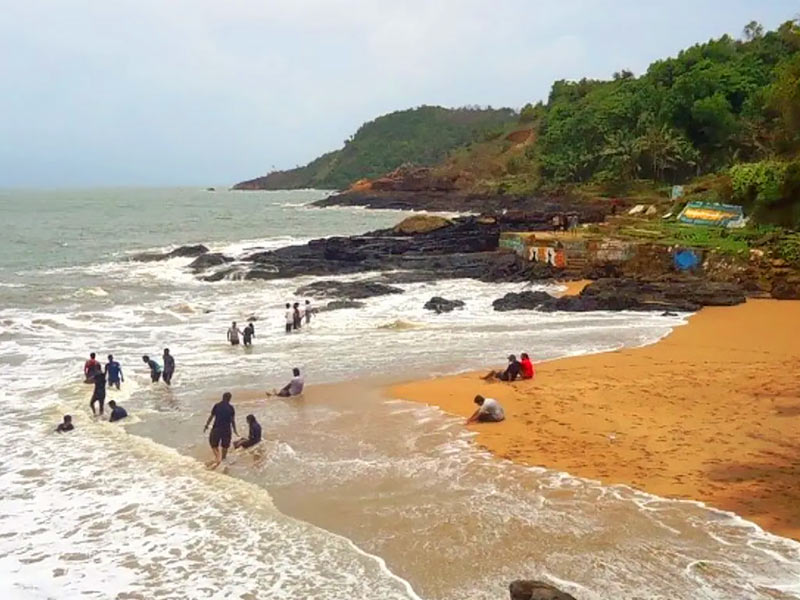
[[522, 369]]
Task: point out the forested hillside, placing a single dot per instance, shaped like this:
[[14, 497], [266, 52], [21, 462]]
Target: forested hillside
[[727, 107], [422, 136]]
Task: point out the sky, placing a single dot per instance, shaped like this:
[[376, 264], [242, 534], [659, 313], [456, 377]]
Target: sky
[[210, 92]]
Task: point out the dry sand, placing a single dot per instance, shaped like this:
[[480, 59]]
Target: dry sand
[[710, 413]]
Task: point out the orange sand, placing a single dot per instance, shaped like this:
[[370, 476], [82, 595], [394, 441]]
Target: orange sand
[[710, 413]]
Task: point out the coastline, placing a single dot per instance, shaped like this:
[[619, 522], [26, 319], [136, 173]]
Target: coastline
[[708, 413]]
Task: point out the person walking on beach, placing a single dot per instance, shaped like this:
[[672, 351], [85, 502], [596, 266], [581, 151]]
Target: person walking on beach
[[233, 334], [169, 367], [89, 368], [99, 393], [66, 425], [488, 411], [289, 316], [155, 368], [297, 317], [526, 366], [117, 412], [308, 311], [293, 388], [248, 334], [113, 372], [253, 436], [224, 416], [510, 374]]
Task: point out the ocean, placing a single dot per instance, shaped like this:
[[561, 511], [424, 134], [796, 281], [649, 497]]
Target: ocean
[[353, 495]]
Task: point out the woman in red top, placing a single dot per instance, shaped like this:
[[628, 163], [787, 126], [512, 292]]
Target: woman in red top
[[527, 366]]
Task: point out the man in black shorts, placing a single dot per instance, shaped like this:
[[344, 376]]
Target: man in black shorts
[[253, 437], [99, 393], [224, 417]]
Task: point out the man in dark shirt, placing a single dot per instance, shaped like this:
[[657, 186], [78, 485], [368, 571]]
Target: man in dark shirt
[[169, 367], [253, 437], [114, 372], [224, 417], [249, 333], [511, 373], [65, 425], [99, 393], [117, 412]]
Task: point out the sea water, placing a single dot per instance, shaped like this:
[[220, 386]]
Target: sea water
[[352, 495]]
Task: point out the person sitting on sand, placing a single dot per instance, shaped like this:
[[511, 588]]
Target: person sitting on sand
[[155, 368], [253, 436], [117, 412], [65, 425], [89, 368], [293, 388], [113, 372], [510, 374], [233, 334], [489, 411], [526, 366], [99, 393], [224, 416], [248, 334]]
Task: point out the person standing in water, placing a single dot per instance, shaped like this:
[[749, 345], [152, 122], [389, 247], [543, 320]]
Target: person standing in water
[[297, 317], [155, 368], [224, 416], [248, 334], [233, 334], [289, 316], [308, 311], [99, 393], [253, 436], [113, 372], [89, 368], [66, 425], [169, 367]]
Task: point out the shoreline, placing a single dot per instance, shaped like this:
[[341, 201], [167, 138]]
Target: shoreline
[[708, 413]]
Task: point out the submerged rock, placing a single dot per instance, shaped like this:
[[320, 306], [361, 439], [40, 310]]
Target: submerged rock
[[536, 590], [206, 261], [347, 289], [440, 305], [180, 251], [340, 305]]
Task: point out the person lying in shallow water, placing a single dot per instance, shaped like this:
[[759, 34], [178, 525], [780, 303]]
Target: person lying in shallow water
[[117, 412], [489, 411], [253, 437], [65, 425]]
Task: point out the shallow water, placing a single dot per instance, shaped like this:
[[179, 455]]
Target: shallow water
[[346, 478]]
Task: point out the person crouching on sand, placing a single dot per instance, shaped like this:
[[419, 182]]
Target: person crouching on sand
[[510, 374], [253, 436], [489, 411], [527, 366]]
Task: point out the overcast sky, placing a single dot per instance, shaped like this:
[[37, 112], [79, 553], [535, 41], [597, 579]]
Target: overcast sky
[[171, 92]]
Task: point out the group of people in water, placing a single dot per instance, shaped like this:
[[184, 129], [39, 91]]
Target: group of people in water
[[295, 315]]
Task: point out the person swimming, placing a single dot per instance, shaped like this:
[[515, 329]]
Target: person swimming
[[253, 436], [169, 367], [155, 368], [113, 372], [117, 412], [65, 425], [99, 393]]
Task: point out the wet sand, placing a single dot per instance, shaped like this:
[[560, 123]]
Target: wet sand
[[710, 413]]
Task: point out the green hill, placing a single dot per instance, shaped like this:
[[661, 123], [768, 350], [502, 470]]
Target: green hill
[[422, 136]]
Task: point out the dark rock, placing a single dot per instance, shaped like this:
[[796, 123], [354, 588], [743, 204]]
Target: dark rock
[[668, 313], [206, 261], [536, 590], [341, 304], [347, 289], [521, 301], [440, 305], [783, 289], [183, 251]]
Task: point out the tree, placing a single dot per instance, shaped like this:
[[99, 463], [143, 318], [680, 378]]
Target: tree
[[753, 31]]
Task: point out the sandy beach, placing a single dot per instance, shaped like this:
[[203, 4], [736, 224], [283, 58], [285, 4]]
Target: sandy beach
[[709, 413]]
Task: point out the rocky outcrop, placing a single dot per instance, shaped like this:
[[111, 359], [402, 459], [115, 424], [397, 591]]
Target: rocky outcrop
[[440, 305], [521, 301], [181, 251], [206, 261], [340, 305], [688, 294], [347, 289], [421, 224], [536, 590]]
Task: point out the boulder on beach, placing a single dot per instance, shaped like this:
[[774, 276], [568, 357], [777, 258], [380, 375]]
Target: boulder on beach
[[522, 589], [440, 305], [421, 224], [211, 259], [347, 289], [521, 301]]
